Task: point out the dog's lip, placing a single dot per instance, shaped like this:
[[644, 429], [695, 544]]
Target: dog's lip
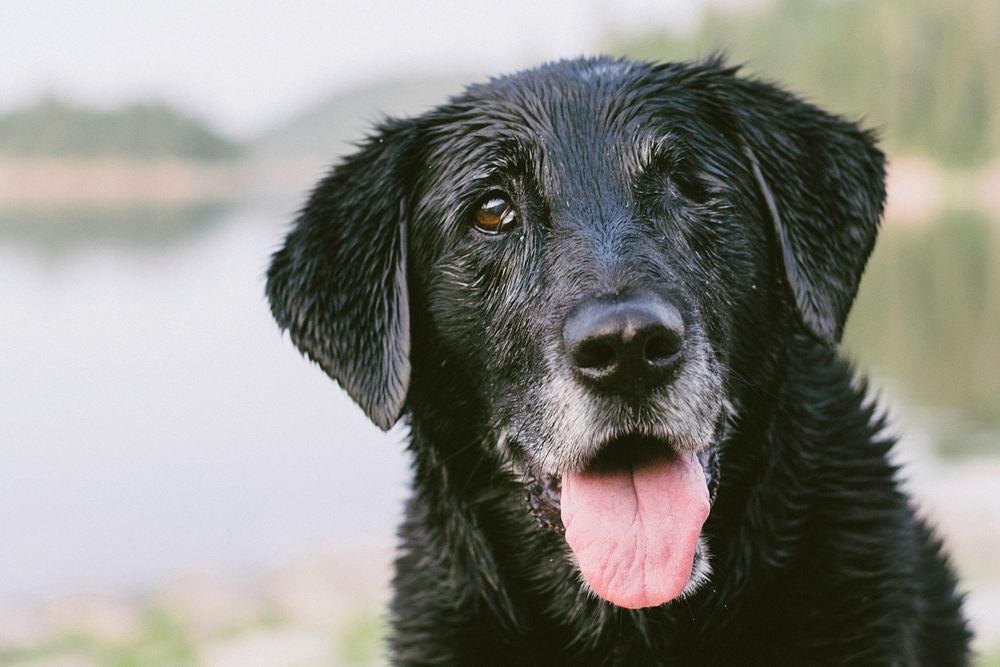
[[630, 449], [620, 449]]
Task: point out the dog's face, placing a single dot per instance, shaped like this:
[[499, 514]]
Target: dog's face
[[555, 211], [592, 248]]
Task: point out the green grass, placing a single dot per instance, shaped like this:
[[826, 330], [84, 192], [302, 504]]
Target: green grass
[[360, 639], [160, 642], [991, 659]]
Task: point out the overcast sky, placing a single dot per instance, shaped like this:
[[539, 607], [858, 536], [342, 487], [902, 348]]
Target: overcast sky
[[244, 64]]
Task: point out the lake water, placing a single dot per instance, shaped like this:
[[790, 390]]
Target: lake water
[[154, 421], [153, 418]]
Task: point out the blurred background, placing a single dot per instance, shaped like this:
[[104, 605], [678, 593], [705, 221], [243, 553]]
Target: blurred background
[[179, 487]]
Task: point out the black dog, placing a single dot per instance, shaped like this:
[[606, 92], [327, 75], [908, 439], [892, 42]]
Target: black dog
[[607, 296]]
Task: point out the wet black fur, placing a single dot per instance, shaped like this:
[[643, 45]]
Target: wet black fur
[[624, 175]]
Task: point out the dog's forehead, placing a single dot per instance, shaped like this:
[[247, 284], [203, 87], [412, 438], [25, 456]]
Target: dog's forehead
[[570, 122], [565, 108]]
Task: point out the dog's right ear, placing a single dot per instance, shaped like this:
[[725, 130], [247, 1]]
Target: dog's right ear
[[339, 283]]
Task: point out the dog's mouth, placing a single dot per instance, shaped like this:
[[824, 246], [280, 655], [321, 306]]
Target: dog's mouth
[[632, 517]]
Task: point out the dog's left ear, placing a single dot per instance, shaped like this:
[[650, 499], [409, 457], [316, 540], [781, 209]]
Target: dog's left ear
[[339, 283], [823, 182]]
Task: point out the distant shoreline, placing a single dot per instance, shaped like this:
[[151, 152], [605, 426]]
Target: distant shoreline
[[61, 182], [918, 190]]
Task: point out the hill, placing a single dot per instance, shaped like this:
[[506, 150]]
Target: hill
[[328, 128]]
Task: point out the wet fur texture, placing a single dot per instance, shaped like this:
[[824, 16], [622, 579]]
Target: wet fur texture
[[755, 214]]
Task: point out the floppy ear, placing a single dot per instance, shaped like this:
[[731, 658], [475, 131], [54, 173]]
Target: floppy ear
[[339, 283], [822, 180]]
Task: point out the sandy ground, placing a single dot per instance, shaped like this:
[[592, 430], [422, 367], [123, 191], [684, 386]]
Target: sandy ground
[[325, 607]]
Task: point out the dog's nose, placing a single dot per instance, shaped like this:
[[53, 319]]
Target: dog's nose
[[624, 344]]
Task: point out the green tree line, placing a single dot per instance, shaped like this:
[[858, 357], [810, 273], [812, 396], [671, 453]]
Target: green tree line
[[923, 72], [56, 128]]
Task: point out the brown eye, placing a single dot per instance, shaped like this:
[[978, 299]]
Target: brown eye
[[495, 215]]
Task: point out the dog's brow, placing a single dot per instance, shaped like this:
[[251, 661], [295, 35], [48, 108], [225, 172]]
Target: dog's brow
[[652, 149], [509, 154]]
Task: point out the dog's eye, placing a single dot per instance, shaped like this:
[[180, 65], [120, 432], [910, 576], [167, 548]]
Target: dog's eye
[[495, 214]]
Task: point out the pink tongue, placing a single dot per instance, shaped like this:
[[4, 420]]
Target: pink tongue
[[634, 531]]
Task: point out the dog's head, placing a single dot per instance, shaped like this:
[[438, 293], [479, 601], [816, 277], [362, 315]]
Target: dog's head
[[600, 253]]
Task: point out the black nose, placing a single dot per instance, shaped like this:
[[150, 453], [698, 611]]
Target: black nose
[[625, 344]]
